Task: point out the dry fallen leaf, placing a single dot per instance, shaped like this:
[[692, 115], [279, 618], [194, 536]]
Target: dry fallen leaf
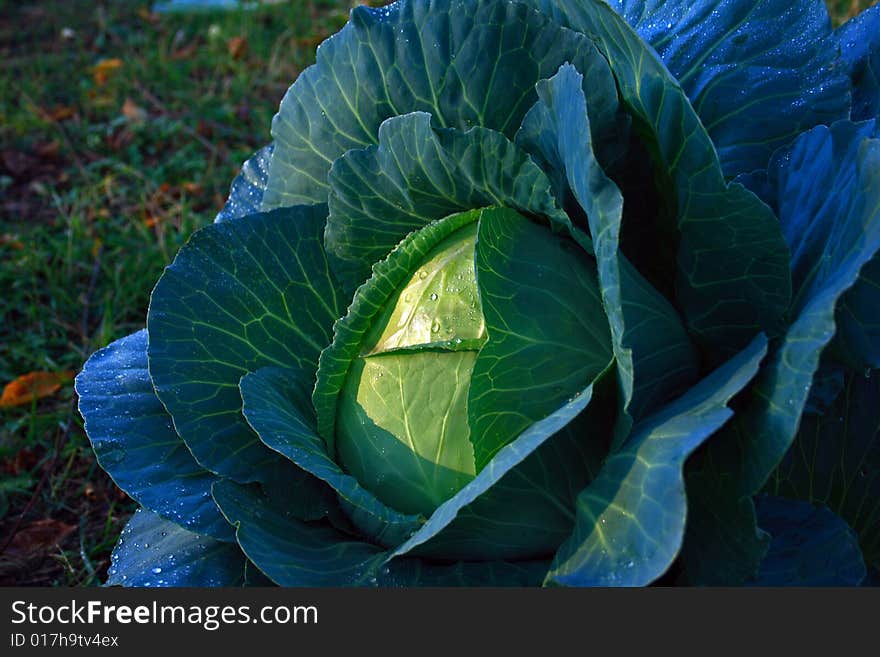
[[237, 47], [60, 113], [31, 386], [102, 70], [133, 112], [185, 52]]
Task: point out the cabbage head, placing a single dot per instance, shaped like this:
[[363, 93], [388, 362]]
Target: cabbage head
[[541, 292]]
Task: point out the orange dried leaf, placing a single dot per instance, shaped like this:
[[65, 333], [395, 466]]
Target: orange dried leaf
[[102, 70], [31, 386], [237, 47], [133, 112], [186, 52], [60, 113]]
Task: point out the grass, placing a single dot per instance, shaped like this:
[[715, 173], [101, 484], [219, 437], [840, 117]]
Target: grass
[[120, 132]]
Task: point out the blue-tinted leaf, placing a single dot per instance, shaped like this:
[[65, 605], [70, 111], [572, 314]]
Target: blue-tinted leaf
[[835, 461], [291, 552], [732, 276], [155, 552], [811, 546], [418, 174], [239, 296], [467, 63], [475, 521], [723, 545], [655, 358], [277, 404], [827, 386], [757, 72], [630, 519], [246, 193], [295, 553], [827, 189], [548, 336], [135, 441], [859, 42], [857, 342], [828, 194]]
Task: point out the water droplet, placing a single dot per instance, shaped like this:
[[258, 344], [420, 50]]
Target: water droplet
[[435, 327], [433, 296], [156, 570], [423, 274]]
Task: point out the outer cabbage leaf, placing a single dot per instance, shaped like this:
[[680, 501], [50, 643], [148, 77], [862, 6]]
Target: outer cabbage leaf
[[277, 404], [758, 72], [811, 546], [630, 519], [417, 174], [655, 358], [859, 43], [857, 342], [239, 296], [835, 461], [295, 553], [466, 62], [830, 242], [155, 552], [135, 441], [246, 193], [732, 262]]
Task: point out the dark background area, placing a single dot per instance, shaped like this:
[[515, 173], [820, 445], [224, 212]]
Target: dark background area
[[120, 132]]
